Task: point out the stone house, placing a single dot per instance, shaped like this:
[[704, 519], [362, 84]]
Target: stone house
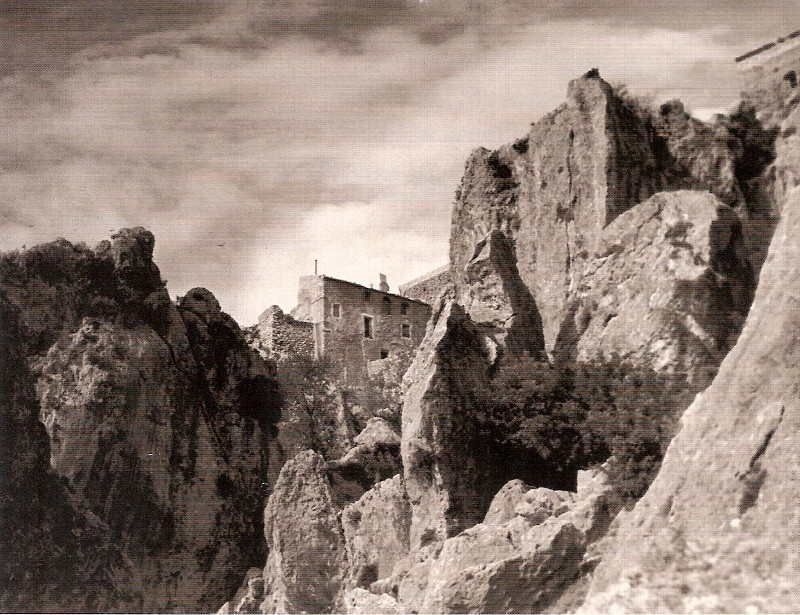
[[349, 324]]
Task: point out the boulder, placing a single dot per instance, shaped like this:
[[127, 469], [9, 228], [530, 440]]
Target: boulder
[[446, 477], [719, 529], [504, 504], [669, 288], [306, 566], [376, 532], [361, 602]]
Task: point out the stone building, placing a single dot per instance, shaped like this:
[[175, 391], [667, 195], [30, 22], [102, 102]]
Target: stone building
[[770, 75], [428, 287], [353, 325]]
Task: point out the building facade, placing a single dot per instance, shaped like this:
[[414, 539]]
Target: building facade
[[353, 324]]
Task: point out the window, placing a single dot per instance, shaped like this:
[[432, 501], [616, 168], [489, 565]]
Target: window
[[336, 310], [384, 354], [368, 327], [404, 308], [405, 330], [791, 77], [386, 306], [366, 295]]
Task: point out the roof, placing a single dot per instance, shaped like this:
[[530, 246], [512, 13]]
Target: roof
[[754, 52], [374, 290]]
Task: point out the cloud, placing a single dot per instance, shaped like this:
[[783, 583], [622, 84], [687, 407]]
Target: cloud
[[252, 137]]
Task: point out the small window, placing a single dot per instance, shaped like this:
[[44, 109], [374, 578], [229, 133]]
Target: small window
[[384, 354], [386, 306], [405, 330], [404, 308], [368, 327], [791, 77], [366, 295], [336, 310]]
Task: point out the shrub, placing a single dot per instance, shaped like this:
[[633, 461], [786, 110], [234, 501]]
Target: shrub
[[569, 418]]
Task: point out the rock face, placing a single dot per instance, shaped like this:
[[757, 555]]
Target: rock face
[[518, 562], [588, 161], [494, 296], [553, 193], [158, 418], [669, 288], [718, 530], [306, 564], [376, 531], [445, 475]]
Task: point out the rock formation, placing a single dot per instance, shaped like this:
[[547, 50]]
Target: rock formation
[[305, 568], [495, 297], [553, 193], [446, 477], [718, 530], [158, 419], [668, 289]]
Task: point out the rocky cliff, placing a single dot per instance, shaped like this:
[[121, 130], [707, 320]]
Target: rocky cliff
[[718, 530], [157, 419], [557, 193]]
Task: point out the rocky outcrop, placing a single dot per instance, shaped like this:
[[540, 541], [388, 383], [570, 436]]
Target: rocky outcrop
[[587, 162], [693, 155], [158, 419], [376, 531], [718, 529], [524, 561], [668, 289], [444, 460], [553, 193], [306, 566], [495, 297]]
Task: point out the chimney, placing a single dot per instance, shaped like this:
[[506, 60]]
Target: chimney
[[384, 284]]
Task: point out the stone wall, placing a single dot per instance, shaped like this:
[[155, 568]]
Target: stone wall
[[766, 76], [284, 337], [428, 287]]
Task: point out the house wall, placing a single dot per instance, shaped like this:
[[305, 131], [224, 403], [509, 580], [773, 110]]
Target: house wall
[[341, 338], [428, 287]]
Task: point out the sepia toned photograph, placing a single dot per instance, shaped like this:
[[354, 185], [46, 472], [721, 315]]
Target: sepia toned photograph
[[399, 306]]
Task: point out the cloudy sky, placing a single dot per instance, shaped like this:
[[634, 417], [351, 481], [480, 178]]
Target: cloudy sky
[[254, 136]]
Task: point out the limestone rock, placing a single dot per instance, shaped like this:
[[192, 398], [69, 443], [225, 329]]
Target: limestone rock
[[718, 529], [376, 532], [475, 573], [158, 420], [359, 601], [494, 296], [697, 156], [587, 162], [669, 289], [504, 504], [540, 504], [486, 201], [445, 475], [306, 565], [375, 457]]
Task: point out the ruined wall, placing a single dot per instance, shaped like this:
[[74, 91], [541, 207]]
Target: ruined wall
[[428, 287], [766, 76], [284, 337]]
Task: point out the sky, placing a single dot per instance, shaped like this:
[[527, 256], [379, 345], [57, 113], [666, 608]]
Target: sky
[[255, 136]]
